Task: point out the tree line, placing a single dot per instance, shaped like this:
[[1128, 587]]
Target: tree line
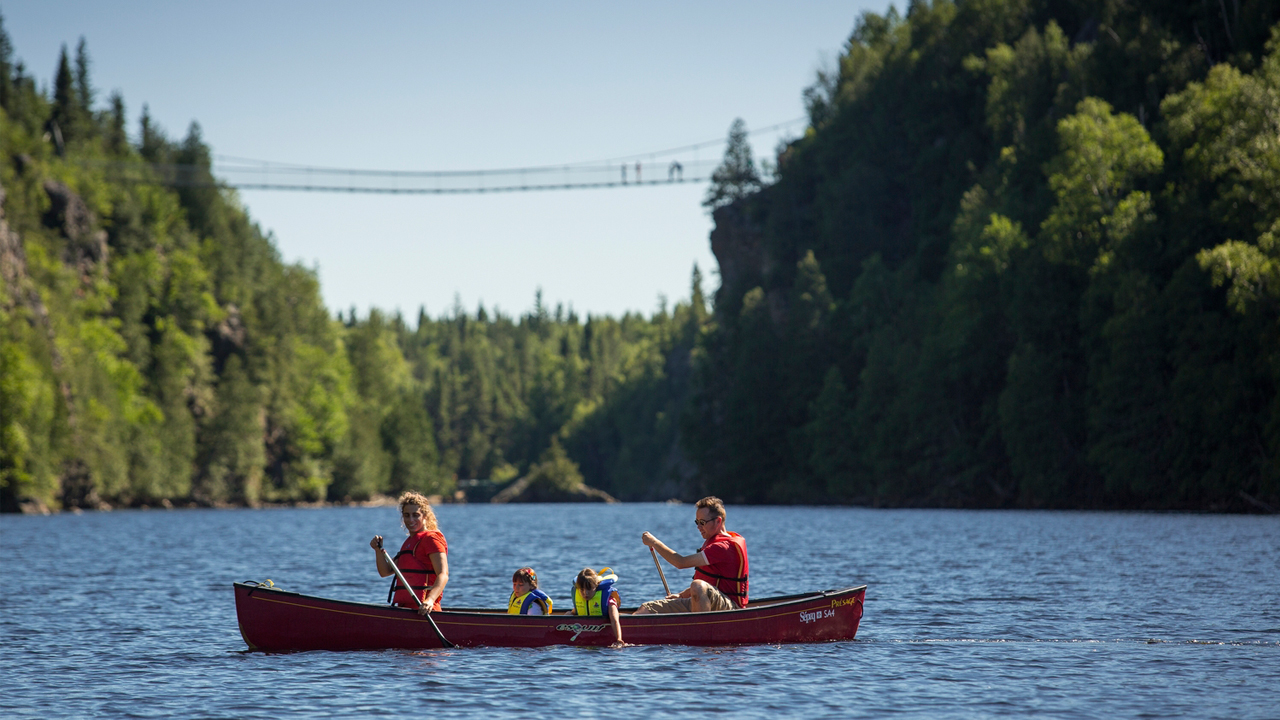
[[1025, 255], [154, 347]]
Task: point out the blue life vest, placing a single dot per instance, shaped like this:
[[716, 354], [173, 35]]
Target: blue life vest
[[519, 605]]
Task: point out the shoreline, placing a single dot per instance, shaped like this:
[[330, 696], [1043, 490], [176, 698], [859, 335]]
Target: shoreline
[[1250, 507]]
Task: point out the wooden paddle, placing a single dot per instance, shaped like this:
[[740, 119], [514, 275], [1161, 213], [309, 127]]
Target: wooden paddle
[[400, 576], [661, 574]]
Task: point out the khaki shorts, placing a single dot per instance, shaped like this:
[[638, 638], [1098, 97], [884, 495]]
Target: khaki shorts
[[716, 599]]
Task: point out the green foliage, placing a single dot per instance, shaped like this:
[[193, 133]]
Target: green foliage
[[555, 469], [6, 68], [1228, 129], [1251, 271], [1027, 254], [26, 431], [500, 391], [231, 466], [66, 108], [830, 434], [1102, 156], [155, 347], [1048, 268]]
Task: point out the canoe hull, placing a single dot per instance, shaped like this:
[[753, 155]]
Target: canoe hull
[[273, 620]]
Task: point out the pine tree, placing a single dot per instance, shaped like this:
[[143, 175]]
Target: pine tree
[[65, 108], [117, 138], [697, 300], [151, 141], [6, 69], [84, 90], [736, 177]]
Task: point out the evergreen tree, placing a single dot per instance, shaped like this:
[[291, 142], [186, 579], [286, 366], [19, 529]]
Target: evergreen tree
[[737, 177], [697, 300], [117, 138], [1020, 263], [84, 89], [6, 69], [65, 121], [832, 455], [1046, 277], [151, 141]]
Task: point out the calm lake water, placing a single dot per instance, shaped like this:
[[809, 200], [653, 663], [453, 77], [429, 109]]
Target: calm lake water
[[968, 614]]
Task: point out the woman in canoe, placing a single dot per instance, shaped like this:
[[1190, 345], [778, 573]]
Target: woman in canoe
[[423, 557]]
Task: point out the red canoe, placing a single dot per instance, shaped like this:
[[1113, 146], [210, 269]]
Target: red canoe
[[274, 620]]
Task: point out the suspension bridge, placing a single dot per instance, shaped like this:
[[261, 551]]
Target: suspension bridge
[[682, 165]]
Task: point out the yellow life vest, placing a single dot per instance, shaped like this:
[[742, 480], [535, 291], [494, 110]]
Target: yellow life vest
[[596, 604], [519, 604]]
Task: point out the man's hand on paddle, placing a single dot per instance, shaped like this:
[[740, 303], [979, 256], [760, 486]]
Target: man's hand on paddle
[[682, 562]]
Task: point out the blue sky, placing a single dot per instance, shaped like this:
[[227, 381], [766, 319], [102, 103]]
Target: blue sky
[[460, 86]]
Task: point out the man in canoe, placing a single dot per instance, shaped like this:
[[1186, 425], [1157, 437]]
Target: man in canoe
[[720, 579], [423, 557]]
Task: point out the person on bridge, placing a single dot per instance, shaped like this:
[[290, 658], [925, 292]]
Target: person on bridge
[[423, 557], [720, 580]]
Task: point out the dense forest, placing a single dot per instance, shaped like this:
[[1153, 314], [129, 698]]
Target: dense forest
[[154, 348], [1027, 254]]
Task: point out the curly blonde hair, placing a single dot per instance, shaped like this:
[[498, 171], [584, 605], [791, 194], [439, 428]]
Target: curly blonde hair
[[429, 516]]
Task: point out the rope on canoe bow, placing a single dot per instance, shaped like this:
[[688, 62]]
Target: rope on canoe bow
[[264, 584]]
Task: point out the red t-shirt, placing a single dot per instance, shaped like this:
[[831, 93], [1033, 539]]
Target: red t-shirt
[[724, 560], [428, 542]]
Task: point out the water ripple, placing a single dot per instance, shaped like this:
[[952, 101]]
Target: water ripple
[[968, 614]]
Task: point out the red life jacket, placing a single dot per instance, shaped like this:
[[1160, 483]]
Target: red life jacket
[[420, 574], [733, 582]]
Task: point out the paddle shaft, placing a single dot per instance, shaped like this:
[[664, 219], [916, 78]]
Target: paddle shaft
[[405, 583], [661, 574]]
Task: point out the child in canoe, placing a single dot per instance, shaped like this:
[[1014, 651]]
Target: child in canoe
[[593, 594], [526, 598]]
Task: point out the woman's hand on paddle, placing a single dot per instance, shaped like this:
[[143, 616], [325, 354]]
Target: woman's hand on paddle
[[379, 557], [649, 539], [424, 610]]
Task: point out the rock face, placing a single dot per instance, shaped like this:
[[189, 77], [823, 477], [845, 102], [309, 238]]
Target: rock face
[[227, 337], [745, 262], [527, 490], [738, 244], [13, 259], [21, 291], [68, 213]]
